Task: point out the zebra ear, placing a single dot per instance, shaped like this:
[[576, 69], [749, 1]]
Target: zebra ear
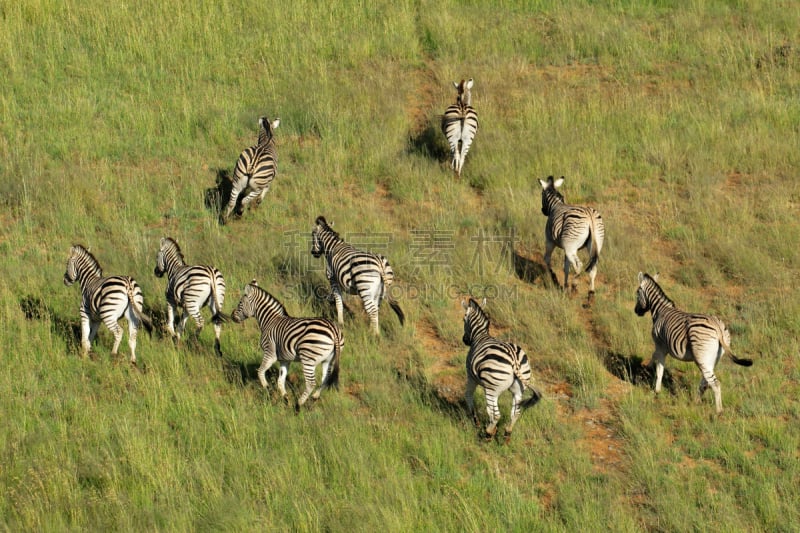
[[543, 183], [641, 277], [469, 83], [253, 282], [455, 85], [483, 302], [557, 183], [276, 123], [655, 277], [464, 304]]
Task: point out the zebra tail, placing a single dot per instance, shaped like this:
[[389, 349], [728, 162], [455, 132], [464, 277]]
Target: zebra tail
[[533, 400], [387, 294], [396, 308], [595, 256], [140, 314], [218, 317], [332, 379], [738, 360]]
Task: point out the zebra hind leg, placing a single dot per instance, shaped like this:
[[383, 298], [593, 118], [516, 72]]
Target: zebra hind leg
[[494, 416]]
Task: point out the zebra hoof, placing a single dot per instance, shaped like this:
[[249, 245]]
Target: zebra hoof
[[507, 437]]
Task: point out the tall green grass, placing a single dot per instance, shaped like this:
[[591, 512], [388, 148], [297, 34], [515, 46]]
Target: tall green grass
[[677, 121]]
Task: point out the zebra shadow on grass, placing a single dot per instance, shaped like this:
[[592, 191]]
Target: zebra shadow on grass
[[34, 309], [530, 270], [216, 198], [429, 142], [633, 370], [411, 373]]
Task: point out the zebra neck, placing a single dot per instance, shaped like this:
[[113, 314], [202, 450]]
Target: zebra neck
[[173, 267], [553, 202], [659, 305], [479, 334]]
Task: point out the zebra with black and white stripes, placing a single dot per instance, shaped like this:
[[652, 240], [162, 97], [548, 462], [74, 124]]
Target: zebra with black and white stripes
[[353, 271], [497, 366], [311, 341], [685, 336], [106, 300], [571, 228], [189, 289], [255, 168], [460, 124]]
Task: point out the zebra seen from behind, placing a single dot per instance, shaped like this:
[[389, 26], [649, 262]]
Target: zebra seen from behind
[[106, 300], [460, 124], [285, 339], [685, 336], [353, 271], [255, 168], [497, 366], [189, 289], [571, 228]]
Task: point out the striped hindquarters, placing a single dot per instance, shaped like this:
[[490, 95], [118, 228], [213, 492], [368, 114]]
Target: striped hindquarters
[[194, 286], [495, 364], [259, 164]]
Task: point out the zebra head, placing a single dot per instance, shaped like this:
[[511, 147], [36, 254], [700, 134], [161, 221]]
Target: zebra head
[[321, 228], [550, 194], [647, 286], [475, 320], [246, 307], [169, 254], [80, 265], [464, 91], [267, 129]]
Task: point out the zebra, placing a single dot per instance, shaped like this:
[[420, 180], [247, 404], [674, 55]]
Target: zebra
[[353, 271], [285, 339], [459, 125], [256, 168], [495, 365], [190, 288], [571, 228], [685, 336], [106, 300]]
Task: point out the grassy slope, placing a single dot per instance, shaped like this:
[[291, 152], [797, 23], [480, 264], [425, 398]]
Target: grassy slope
[[678, 123]]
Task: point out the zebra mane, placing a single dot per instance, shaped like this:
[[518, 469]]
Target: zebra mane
[[79, 249], [657, 288], [267, 297], [174, 244], [324, 223], [477, 307]]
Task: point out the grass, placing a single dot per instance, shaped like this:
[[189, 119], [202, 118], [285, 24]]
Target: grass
[[678, 122]]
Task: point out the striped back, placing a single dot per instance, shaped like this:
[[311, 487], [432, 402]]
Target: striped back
[[81, 266]]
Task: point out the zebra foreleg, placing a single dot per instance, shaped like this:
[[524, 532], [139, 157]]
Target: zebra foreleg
[[88, 332], [337, 299], [658, 361], [171, 320], [284, 371], [266, 362], [469, 396]]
